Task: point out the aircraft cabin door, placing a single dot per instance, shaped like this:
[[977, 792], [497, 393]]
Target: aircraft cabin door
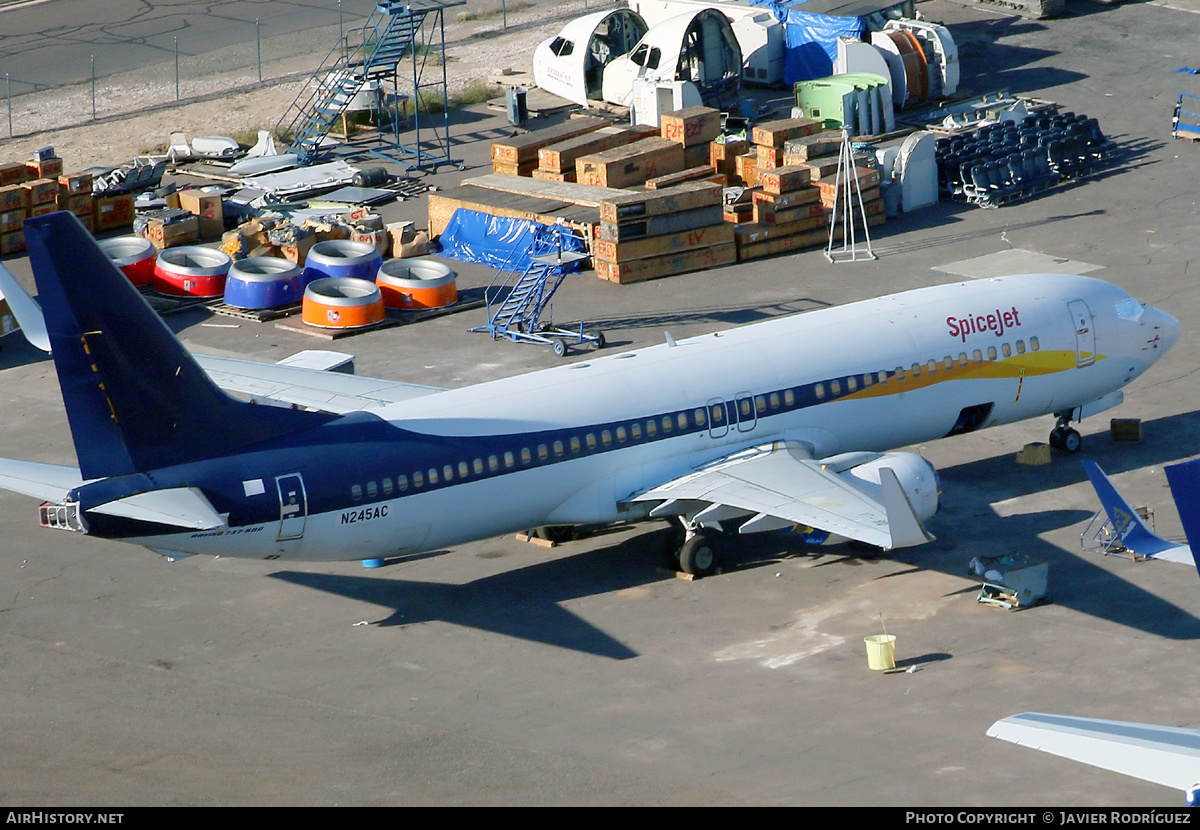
[[718, 420], [1085, 333], [747, 413], [293, 506]]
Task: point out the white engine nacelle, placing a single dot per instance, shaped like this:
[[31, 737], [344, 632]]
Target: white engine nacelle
[[918, 478]]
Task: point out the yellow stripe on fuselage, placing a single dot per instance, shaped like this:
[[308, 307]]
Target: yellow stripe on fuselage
[[1025, 365]]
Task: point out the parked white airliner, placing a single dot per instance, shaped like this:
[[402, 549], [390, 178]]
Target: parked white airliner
[[779, 424]]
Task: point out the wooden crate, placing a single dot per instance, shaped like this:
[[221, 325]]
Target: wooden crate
[[809, 147], [691, 126], [757, 249], [672, 243], [561, 157], [644, 226], [630, 165], [705, 173], [746, 169], [766, 214], [687, 196], [780, 180], [525, 147], [663, 266], [804, 196], [778, 133]]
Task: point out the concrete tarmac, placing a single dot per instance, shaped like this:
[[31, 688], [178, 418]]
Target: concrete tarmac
[[500, 673]]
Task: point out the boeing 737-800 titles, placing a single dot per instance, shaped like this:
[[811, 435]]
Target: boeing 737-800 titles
[[784, 423]]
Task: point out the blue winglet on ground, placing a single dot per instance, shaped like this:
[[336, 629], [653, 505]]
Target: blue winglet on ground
[[1185, 488]]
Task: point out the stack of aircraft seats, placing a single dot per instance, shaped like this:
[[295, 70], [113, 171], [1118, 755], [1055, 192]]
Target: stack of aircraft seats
[[1003, 162]]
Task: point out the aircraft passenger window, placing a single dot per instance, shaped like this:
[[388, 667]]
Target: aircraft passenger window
[[835, 387], [590, 439], [463, 469], [700, 417], [916, 370], [448, 473], [718, 413], [899, 373], [773, 400], [819, 391], [851, 383], [387, 486], [948, 362], [744, 407], [882, 377], [478, 466], [991, 352], [635, 429], [418, 479], [493, 463], [356, 492], [962, 359], [401, 483], [666, 423], [760, 403], [606, 437], [509, 460], [789, 398], [543, 452], [931, 366], [977, 356], [1006, 350], [558, 449], [1033, 343], [1020, 347], [526, 455], [574, 444], [621, 435], [651, 429], [433, 476], [372, 489], [868, 380]]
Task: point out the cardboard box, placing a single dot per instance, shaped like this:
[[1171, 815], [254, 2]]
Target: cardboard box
[[50, 168], [109, 212], [75, 183], [209, 209], [12, 243], [173, 234], [14, 173], [14, 197], [78, 203], [41, 191]]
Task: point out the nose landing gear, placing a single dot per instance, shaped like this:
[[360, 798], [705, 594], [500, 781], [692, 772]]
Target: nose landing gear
[[1064, 437]]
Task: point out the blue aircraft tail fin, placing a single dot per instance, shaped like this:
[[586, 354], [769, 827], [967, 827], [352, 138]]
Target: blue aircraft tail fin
[[1185, 488], [135, 398], [1127, 525]]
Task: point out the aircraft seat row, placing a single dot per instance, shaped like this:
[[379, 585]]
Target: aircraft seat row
[[1003, 162]]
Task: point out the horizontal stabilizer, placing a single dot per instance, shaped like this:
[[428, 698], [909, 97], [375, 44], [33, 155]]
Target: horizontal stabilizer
[[48, 482], [333, 392], [1162, 754], [26, 309], [179, 507]]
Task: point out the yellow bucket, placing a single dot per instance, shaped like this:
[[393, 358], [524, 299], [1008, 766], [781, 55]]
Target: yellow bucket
[[881, 651]]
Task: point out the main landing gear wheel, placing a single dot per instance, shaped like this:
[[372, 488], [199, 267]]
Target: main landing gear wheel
[[698, 556], [1066, 439]]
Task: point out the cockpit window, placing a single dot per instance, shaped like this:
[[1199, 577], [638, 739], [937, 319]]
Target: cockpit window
[[1129, 309]]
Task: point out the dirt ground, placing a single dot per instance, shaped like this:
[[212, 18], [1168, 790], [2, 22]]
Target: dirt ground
[[475, 50]]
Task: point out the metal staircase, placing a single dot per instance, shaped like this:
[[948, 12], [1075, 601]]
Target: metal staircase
[[369, 59], [517, 298]]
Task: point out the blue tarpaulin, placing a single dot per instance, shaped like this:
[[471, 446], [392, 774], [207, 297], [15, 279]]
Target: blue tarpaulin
[[502, 243], [810, 39]]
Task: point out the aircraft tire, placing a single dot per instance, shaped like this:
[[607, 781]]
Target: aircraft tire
[[698, 556], [1072, 441]]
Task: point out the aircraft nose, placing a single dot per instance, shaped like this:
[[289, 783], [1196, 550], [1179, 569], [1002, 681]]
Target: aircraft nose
[[1165, 329]]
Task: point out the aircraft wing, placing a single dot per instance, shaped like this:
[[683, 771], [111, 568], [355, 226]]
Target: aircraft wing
[[779, 485], [1161, 754], [310, 388]]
